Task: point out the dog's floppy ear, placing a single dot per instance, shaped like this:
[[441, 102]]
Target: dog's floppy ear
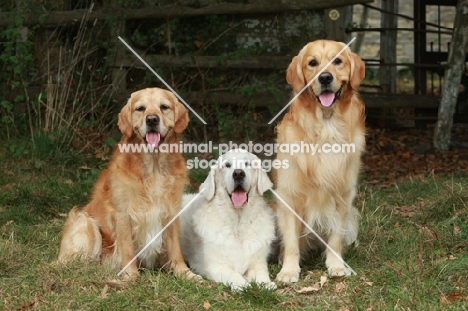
[[358, 70], [263, 181], [181, 117], [209, 184], [294, 74], [125, 120]]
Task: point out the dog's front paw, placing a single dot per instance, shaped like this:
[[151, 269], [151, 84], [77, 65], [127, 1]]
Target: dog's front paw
[[269, 285], [236, 287], [129, 275], [339, 271], [288, 276], [189, 275]]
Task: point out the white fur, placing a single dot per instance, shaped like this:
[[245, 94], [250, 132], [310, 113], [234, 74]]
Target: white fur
[[227, 244]]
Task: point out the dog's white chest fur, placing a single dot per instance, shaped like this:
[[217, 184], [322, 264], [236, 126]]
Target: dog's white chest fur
[[220, 234], [146, 226]]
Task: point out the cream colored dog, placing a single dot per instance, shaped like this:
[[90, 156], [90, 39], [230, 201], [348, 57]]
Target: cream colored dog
[[226, 234]]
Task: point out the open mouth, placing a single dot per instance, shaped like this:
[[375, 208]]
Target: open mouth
[[328, 98], [239, 197], [154, 138]]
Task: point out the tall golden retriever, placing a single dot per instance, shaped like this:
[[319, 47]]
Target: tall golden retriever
[[138, 194], [321, 187]]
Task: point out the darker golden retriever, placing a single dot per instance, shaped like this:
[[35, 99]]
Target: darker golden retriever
[[321, 187], [138, 194]]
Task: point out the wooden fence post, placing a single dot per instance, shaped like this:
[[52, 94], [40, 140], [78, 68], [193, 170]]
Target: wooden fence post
[[452, 77], [119, 73], [336, 20], [388, 42]]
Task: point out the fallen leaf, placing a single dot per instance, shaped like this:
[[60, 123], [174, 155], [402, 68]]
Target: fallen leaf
[[206, 305], [340, 286], [405, 155], [104, 291], [456, 296], [369, 283], [405, 211], [309, 289], [323, 280], [28, 305], [451, 257], [428, 232]]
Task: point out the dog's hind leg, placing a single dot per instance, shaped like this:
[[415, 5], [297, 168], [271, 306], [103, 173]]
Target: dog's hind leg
[[80, 237]]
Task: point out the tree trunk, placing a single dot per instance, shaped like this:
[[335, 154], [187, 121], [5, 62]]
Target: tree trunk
[[453, 73]]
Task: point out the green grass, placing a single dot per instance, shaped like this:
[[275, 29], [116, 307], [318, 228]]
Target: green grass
[[413, 251]]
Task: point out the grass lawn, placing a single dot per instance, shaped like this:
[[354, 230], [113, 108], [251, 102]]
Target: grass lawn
[[412, 255]]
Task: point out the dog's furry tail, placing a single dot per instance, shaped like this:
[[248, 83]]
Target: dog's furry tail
[[80, 237]]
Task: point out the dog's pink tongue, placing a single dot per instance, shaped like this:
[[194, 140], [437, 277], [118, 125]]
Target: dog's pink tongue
[[239, 198], [326, 98], [153, 138]]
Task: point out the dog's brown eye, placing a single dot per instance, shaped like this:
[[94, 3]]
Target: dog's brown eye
[[337, 61], [141, 108], [164, 107], [228, 165], [313, 63]]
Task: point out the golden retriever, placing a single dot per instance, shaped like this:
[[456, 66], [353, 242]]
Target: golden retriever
[[226, 233], [321, 187], [138, 194]]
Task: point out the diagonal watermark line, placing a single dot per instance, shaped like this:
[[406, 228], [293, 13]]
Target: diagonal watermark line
[[313, 79], [161, 79], [160, 232], [313, 231]]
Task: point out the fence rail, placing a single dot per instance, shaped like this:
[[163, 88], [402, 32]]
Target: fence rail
[[55, 18]]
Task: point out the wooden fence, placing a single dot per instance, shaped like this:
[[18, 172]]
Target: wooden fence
[[250, 19]]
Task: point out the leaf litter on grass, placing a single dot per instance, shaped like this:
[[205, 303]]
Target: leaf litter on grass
[[395, 155]]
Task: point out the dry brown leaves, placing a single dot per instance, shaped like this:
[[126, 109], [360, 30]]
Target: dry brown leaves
[[452, 297], [394, 155]]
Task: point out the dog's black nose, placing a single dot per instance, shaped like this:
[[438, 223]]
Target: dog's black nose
[[325, 78], [238, 174], [152, 120]]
